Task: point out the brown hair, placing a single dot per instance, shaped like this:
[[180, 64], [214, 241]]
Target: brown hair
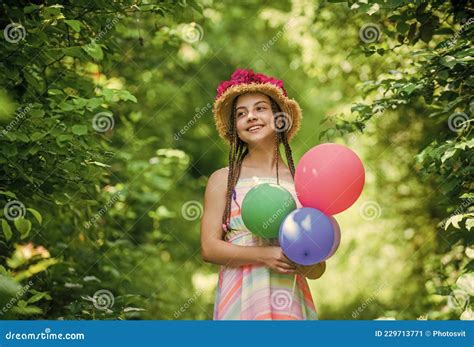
[[238, 151]]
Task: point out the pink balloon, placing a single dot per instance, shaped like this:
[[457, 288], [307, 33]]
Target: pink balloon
[[337, 237], [329, 178]]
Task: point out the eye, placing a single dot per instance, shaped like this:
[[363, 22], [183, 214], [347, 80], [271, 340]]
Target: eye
[[260, 108], [240, 114]]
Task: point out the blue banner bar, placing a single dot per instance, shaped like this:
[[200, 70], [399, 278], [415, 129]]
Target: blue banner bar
[[236, 333]]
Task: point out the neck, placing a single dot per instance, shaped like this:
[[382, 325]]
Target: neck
[[262, 156]]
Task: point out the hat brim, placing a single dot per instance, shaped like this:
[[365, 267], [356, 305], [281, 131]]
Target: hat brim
[[222, 107]]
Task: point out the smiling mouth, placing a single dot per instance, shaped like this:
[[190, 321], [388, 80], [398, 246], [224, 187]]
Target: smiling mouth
[[255, 128]]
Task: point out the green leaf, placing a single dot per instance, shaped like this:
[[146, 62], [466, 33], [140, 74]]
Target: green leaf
[[74, 24], [23, 226], [93, 103], [94, 50], [448, 61], [36, 214], [469, 223], [29, 8], [448, 154], [7, 231], [37, 297], [8, 287], [126, 95], [9, 150], [408, 88], [79, 129], [27, 310], [8, 193], [37, 136], [36, 113], [75, 52], [97, 164], [373, 9], [40, 266], [55, 91]]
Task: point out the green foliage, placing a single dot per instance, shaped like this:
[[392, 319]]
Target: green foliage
[[106, 133], [434, 76], [76, 197]]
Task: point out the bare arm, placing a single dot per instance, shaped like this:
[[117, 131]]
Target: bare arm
[[217, 251]]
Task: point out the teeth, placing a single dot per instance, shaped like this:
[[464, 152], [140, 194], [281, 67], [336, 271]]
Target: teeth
[[256, 127]]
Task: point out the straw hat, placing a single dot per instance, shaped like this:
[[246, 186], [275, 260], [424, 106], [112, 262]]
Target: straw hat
[[244, 81]]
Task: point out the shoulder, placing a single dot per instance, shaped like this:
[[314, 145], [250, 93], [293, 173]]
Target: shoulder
[[219, 178]]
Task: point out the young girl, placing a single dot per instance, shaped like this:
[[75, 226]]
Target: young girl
[[256, 280]]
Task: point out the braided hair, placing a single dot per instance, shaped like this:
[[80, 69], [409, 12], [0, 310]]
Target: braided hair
[[238, 151]]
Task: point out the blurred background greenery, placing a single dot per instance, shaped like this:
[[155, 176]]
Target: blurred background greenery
[[107, 142]]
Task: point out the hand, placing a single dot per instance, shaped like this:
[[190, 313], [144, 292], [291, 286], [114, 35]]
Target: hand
[[276, 260], [312, 271]]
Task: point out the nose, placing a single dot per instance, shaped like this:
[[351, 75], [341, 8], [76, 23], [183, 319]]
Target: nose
[[250, 116]]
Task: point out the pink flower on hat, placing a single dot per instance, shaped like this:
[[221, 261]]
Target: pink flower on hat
[[243, 76]]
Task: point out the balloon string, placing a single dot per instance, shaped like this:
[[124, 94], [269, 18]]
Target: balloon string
[[292, 294]]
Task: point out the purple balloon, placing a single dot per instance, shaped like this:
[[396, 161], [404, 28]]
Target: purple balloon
[[337, 237], [306, 236]]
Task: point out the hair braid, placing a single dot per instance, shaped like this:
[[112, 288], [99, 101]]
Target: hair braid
[[278, 134], [238, 151], [289, 155], [281, 135]]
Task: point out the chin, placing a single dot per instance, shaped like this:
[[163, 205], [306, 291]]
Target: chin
[[254, 138]]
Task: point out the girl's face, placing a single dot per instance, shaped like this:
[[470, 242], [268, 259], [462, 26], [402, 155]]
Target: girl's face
[[254, 117]]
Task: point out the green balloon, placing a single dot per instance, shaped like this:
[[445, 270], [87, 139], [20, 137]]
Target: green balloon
[[264, 208]]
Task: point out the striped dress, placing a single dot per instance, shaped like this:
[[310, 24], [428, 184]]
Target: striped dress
[[254, 292]]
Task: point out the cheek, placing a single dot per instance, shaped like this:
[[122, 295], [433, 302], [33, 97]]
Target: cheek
[[241, 125], [267, 116]]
